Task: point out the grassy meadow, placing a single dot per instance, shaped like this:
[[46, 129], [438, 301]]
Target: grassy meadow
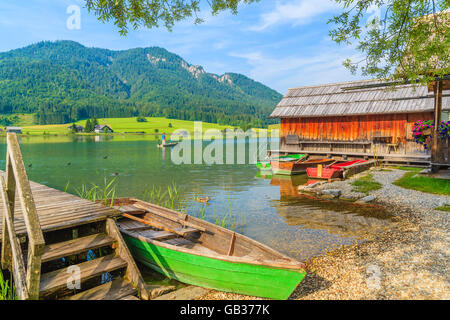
[[156, 125]]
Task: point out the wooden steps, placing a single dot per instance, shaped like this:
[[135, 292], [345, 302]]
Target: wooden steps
[[71, 247], [126, 280], [113, 290], [56, 280], [39, 215]]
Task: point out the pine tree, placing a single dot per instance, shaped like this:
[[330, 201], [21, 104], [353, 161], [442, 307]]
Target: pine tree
[[88, 127], [94, 123]]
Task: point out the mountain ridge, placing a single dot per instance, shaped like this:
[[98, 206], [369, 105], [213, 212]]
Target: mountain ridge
[[64, 81]]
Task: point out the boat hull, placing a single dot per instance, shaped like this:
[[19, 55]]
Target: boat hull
[[327, 173], [264, 165], [244, 278], [294, 167]]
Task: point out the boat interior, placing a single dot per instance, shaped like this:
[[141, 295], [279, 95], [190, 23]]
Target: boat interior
[[164, 227]]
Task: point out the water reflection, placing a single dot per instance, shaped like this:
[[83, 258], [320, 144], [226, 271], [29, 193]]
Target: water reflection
[[342, 218], [275, 213]]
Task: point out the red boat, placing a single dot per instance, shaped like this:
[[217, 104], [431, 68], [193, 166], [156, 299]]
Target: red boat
[[331, 171]]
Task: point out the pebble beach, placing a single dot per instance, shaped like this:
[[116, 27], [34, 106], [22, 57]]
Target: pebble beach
[[408, 261]]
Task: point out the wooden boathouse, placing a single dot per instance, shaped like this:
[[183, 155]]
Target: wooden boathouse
[[358, 119], [59, 246]]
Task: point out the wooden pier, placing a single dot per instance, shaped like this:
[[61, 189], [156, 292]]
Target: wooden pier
[[59, 246]]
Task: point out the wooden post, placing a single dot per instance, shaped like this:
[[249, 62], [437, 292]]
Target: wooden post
[[11, 192], [319, 170], [437, 120], [36, 241], [132, 273], [17, 266]]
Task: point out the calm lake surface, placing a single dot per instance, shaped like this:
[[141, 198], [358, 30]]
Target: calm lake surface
[[268, 209]]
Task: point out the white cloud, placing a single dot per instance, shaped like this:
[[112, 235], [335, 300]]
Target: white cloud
[[294, 12], [292, 71]]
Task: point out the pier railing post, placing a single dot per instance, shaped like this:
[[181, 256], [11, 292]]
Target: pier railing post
[[17, 179]]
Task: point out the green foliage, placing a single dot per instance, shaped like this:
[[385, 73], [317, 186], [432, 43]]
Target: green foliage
[[96, 192], [7, 289], [141, 119], [8, 120], [155, 12], [169, 197], [64, 81], [88, 126], [409, 39], [445, 208], [366, 184], [74, 128]]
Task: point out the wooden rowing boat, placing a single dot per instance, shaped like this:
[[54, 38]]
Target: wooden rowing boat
[[200, 253], [265, 165], [296, 167], [165, 145], [332, 171]]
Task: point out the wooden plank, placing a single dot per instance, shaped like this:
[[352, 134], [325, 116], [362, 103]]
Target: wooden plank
[[132, 272], [130, 209], [76, 246], [11, 194], [35, 236], [156, 225], [129, 298], [162, 235], [232, 242], [168, 214], [55, 280], [112, 290], [17, 265]]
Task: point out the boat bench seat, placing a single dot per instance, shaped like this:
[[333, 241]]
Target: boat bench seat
[[165, 235]]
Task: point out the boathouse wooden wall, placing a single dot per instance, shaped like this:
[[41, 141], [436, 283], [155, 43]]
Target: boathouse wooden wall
[[352, 128]]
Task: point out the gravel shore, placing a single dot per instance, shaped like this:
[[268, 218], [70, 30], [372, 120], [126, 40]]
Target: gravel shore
[[408, 261]]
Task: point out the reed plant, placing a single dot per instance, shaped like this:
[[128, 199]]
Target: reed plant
[[94, 192], [7, 289], [169, 197]]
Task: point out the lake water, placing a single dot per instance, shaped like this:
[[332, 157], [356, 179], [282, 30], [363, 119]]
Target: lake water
[[269, 209]]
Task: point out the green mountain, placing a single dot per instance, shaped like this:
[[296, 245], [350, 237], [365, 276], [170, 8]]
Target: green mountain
[[64, 81]]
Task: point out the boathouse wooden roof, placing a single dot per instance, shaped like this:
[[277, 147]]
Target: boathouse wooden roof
[[355, 98]]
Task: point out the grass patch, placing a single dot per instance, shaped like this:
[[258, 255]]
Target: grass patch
[[445, 207], [411, 180], [129, 125], [7, 289], [412, 169], [366, 184]]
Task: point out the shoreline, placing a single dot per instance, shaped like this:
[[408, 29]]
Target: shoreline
[[407, 261]]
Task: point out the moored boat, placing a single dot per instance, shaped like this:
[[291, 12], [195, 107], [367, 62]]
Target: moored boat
[[165, 145], [200, 253], [296, 167], [331, 171], [265, 164]]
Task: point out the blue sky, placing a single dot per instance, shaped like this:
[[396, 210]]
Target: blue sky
[[282, 44]]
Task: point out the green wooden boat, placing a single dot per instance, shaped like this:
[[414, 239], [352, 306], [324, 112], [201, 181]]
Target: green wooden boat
[[200, 253], [265, 164]]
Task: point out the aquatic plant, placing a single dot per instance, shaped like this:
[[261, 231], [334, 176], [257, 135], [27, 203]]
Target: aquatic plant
[[94, 192], [169, 197], [7, 288]]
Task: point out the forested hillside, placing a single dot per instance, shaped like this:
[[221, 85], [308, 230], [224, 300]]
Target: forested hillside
[[64, 81]]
